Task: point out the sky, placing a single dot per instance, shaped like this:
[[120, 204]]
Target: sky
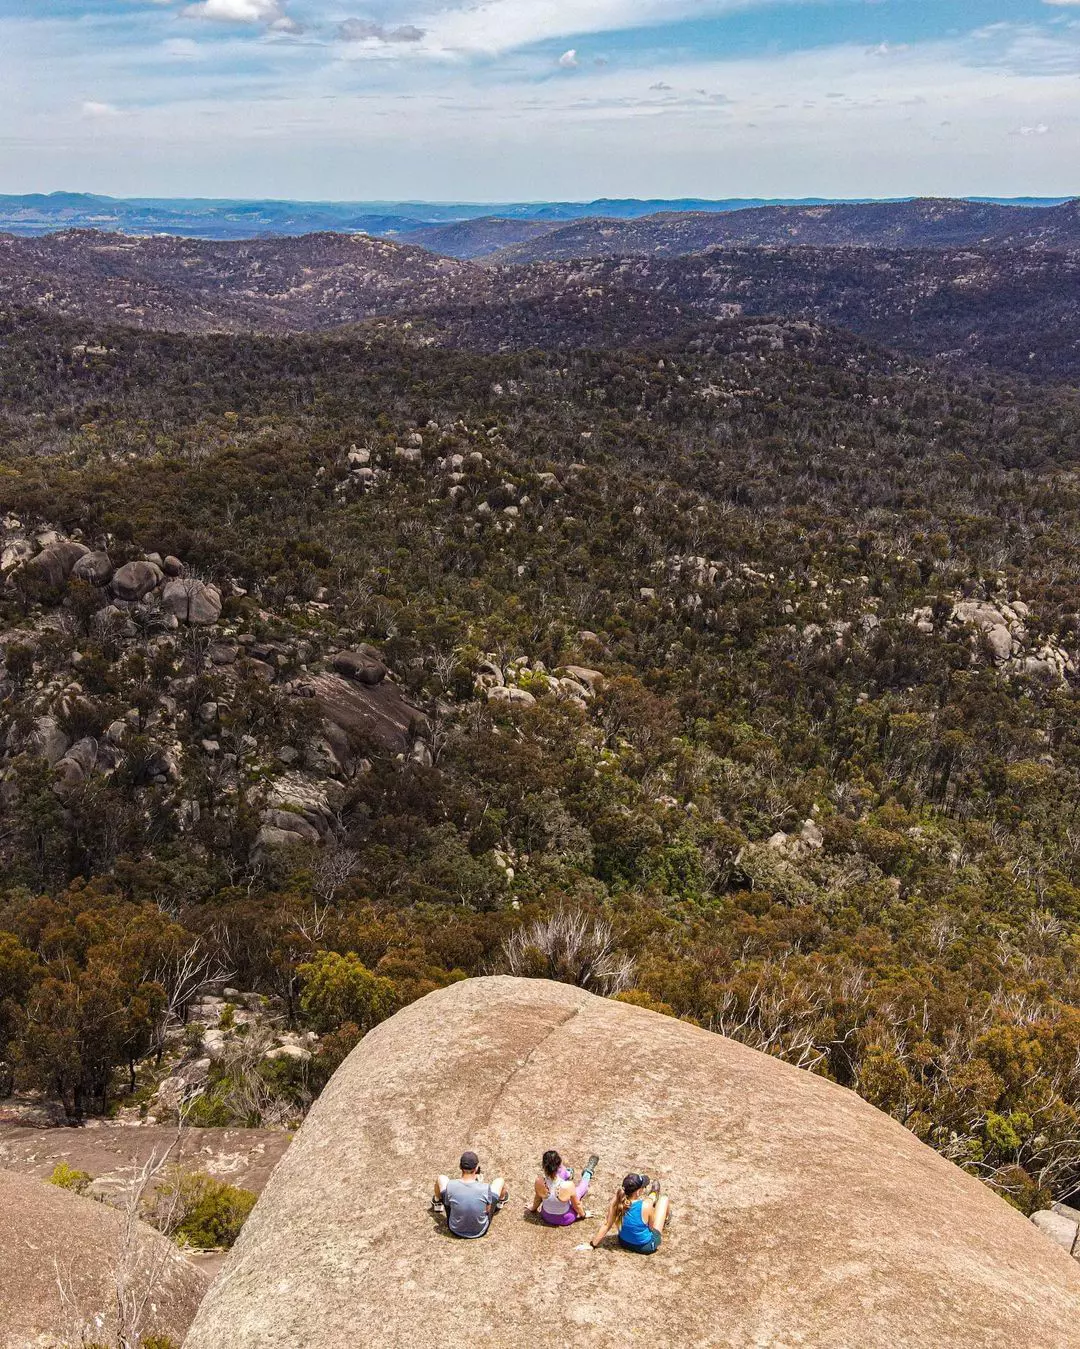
[[526, 100]]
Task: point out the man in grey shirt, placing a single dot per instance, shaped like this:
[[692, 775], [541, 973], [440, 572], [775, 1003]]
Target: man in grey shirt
[[469, 1203]]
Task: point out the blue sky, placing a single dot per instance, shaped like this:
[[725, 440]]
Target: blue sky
[[530, 99]]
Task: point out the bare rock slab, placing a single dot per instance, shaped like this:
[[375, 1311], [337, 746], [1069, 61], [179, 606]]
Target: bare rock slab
[[802, 1216], [62, 1256]]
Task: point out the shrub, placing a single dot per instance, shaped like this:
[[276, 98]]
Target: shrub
[[208, 1111], [572, 948], [340, 989], [197, 1210], [637, 997], [70, 1179]]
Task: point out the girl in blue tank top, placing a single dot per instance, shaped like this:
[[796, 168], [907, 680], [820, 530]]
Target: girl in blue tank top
[[639, 1211]]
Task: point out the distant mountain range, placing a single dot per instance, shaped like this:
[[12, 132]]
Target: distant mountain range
[[225, 219], [1015, 308], [928, 223]]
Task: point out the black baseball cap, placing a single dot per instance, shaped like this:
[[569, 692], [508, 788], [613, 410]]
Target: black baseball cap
[[634, 1182], [469, 1161]]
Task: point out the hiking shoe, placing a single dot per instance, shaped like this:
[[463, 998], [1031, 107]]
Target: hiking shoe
[[591, 1165]]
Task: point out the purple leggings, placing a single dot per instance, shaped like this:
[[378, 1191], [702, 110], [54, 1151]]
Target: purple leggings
[[565, 1219]]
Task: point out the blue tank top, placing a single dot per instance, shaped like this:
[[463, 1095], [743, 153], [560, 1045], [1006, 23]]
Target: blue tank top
[[634, 1230]]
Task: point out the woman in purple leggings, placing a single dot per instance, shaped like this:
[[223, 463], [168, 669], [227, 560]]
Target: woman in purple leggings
[[555, 1196]]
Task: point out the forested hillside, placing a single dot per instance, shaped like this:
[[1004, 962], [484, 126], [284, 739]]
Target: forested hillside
[[1007, 308], [732, 670], [1011, 309], [197, 286]]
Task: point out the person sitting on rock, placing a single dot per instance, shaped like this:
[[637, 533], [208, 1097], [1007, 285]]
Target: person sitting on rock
[[640, 1212], [469, 1203], [555, 1196]]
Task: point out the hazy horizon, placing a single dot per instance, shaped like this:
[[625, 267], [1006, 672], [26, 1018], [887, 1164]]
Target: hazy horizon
[[733, 201]]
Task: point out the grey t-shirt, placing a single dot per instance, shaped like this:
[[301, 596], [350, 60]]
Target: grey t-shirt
[[468, 1207]]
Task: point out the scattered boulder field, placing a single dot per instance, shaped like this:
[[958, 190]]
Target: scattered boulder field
[[800, 1214], [57, 560], [352, 696], [356, 704]]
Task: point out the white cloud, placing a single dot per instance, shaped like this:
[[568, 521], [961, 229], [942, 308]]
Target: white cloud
[[495, 26], [182, 49], [1027, 48], [270, 12], [568, 60], [293, 118]]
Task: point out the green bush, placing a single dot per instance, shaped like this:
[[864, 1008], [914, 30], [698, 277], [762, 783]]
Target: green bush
[[208, 1111], [340, 989], [205, 1213], [67, 1178]]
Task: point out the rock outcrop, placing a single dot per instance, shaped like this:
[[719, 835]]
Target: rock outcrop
[[53, 565], [150, 579], [135, 580], [51, 1240], [801, 1215], [364, 665], [1002, 627], [192, 601], [95, 568], [378, 715]]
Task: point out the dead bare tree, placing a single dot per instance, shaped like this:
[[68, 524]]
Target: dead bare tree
[[139, 1271], [183, 974], [332, 870]]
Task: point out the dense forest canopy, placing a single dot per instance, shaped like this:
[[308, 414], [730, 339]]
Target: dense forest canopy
[[731, 670]]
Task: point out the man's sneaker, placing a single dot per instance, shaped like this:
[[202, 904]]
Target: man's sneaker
[[591, 1165], [500, 1202], [437, 1206]]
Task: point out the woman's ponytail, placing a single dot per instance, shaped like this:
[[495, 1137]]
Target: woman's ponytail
[[630, 1186]]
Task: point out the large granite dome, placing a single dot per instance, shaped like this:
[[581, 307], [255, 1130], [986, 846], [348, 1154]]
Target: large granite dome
[[801, 1215]]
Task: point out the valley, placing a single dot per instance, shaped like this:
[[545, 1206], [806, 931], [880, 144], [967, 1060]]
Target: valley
[[698, 625]]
